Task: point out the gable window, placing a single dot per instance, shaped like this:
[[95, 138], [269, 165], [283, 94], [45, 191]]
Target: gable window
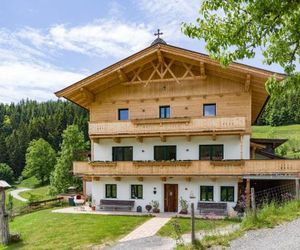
[[122, 153], [123, 114], [211, 152], [110, 190], [209, 109], [206, 193], [227, 194], [164, 112], [164, 153], [136, 191]]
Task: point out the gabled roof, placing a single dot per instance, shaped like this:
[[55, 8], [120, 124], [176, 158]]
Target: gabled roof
[[85, 89]]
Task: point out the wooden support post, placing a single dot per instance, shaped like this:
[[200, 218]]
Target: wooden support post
[[84, 186], [3, 219], [193, 223], [297, 189], [248, 194], [253, 203], [241, 146]]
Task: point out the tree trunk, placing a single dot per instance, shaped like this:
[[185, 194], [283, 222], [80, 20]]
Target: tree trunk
[[4, 231]]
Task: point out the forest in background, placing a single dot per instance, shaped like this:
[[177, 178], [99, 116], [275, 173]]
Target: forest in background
[[27, 120]]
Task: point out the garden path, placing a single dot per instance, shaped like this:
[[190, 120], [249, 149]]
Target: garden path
[[15, 193]]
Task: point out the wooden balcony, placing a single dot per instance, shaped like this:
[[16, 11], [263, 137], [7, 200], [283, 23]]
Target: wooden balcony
[[188, 168], [148, 127]]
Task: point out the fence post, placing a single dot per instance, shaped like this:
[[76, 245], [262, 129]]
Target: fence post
[[193, 222], [297, 189], [253, 203]]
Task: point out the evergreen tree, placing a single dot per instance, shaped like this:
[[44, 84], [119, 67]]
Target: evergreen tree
[[71, 150], [6, 173], [40, 160]]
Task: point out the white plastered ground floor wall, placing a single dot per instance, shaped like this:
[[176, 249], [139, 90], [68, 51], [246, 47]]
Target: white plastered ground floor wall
[[186, 189]]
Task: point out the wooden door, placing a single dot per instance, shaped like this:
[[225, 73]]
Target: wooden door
[[171, 197]]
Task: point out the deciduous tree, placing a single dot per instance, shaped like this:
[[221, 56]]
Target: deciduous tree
[[233, 30], [40, 160], [72, 147]]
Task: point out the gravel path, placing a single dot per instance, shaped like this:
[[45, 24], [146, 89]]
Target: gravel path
[[15, 193], [283, 237]]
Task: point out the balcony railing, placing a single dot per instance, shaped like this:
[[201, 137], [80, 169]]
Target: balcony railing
[[188, 168], [167, 126]]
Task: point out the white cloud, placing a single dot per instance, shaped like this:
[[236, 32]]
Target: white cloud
[[24, 80], [168, 15]]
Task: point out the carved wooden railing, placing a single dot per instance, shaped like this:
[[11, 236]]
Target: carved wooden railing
[[174, 125], [188, 168]]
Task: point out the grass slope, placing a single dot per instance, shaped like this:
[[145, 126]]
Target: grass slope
[[47, 230], [290, 132], [185, 225], [40, 193]]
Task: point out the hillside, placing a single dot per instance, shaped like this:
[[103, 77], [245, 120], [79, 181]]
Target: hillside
[[291, 148]]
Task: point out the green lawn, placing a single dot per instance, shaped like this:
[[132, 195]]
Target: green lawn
[[40, 193], [46, 230], [200, 224], [290, 132]]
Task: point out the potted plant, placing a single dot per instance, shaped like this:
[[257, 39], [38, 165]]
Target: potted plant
[[184, 206], [148, 208], [155, 206]]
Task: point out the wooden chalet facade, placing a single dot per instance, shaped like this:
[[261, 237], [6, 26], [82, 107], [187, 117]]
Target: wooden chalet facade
[[167, 123]]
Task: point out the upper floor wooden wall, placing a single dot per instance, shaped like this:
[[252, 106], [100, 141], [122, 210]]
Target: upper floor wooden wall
[[185, 99]]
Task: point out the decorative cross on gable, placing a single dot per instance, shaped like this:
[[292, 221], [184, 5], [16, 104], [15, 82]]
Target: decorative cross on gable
[[158, 33]]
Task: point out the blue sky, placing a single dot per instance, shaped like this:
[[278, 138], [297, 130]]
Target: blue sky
[[46, 45]]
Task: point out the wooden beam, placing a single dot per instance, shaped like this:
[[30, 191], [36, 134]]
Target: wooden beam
[[96, 178], [214, 136], [140, 178], [117, 139], [202, 71], [87, 95], [139, 139], [96, 140], [122, 76], [163, 178], [188, 137], [168, 68], [160, 57], [163, 138], [117, 178], [247, 83], [188, 179]]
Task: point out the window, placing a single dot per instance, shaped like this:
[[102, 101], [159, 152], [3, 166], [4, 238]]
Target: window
[[164, 153], [211, 152], [164, 112], [123, 114], [227, 194], [206, 193], [122, 153], [111, 191], [136, 191], [209, 109]]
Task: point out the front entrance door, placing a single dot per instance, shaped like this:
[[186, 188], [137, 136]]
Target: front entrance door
[[171, 197]]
